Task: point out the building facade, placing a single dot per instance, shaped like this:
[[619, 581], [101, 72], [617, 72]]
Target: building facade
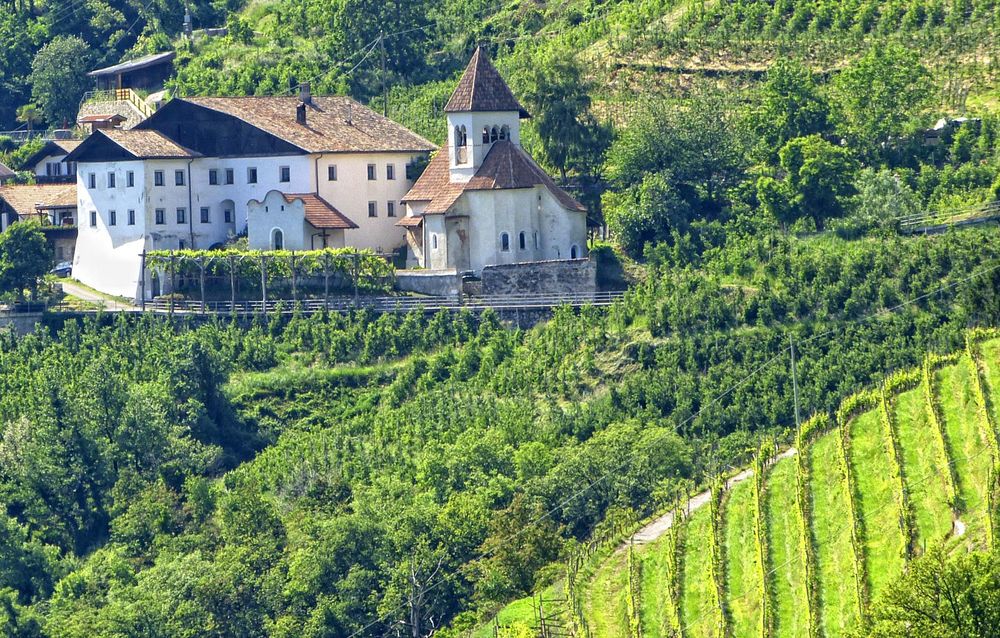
[[190, 175], [483, 200]]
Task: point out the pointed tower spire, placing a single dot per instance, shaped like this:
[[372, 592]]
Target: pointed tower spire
[[483, 89]]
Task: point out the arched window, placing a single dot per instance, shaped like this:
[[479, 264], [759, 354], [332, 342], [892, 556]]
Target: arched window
[[522, 241], [277, 239], [504, 132], [434, 241], [461, 139], [504, 242], [494, 134], [574, 251], [486, 135], [534, 237]]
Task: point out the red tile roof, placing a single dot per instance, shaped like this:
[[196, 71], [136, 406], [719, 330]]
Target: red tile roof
[[506, 166], [110, 117], [333, 124], [321, 213], [483, 89], [411, 221], [26, 199], [145, 144]]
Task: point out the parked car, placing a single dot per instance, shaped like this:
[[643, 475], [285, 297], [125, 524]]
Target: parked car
[[62, 269]]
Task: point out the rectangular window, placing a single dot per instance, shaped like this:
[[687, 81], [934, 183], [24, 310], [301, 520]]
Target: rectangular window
[[131, 218], [373, 209], [251, 175], [129, 179], [178, 178], [181, 215], [157, 178], [111, 179], [331, 173], [213, 177], [92, 180], [112, 218], [93, 218], [204, 214], [181, 245], [71, 168], [390, 171], [390, 209], [228, 216], [230, 176], [285, 174], [161, 216], [371, 173]]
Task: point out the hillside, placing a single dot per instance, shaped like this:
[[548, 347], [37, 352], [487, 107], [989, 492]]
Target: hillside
[[805, 545]]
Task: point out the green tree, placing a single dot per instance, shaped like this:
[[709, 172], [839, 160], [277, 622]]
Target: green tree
[[29, 114], [791, 106], [558, 95], [25, 256], [59, 78], [877, 95], [942, 598]]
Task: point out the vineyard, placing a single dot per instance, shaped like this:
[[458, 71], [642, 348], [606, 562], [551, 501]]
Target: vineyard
[[804, 544]]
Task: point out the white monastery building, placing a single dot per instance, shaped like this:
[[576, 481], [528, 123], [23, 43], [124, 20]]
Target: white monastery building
[[293, 173], [482, 200]]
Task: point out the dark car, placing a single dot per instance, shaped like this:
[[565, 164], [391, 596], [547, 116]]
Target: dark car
[[62, 269]]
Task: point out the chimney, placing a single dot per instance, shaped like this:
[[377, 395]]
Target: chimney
[[304, 94], [300, 114]]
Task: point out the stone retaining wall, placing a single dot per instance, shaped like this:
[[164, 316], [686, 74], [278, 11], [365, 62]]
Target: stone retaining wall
[[541, 277]]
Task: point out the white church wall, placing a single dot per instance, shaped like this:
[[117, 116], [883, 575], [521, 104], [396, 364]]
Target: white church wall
[[272, 215]]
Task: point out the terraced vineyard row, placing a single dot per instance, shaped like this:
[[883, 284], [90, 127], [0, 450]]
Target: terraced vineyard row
[[804, 550]]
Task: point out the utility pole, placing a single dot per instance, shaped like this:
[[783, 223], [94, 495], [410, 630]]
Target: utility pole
[[795, 384], [385, 92]]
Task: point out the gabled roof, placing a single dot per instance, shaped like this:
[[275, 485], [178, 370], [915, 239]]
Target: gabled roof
[[50, 149], [134, 143], [506, 166], [26, 199], [334, 124], [321, 213], [135, 65], [6, 173], [483, 89]]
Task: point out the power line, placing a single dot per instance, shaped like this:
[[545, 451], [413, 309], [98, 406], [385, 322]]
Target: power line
[[690, 418]]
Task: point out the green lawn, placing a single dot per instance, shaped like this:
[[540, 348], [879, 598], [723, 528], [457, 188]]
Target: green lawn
[[831, 530], [924, 467], [605, 607], [743, 586], [656, 613], [878, 500], [786, 562], [968, 447], [699, 609], [519, 612], [991, 361]]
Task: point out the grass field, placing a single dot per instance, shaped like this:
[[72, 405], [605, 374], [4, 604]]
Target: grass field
[[698, 599], [924, 465], [878, 500], [655, 610], [605, 607], [831, 531], [968, 447], [925, 469], [786, 561], [743, 574]]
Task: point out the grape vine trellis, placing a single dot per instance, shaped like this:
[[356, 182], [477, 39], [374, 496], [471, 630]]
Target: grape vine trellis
[[365, 270]]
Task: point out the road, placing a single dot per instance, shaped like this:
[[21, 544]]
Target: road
[[659, 527], [89, 296]]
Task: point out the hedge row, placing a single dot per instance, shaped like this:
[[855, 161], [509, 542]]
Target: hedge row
[[717, 554], [934, 417], [760, 464], [817, 423], [854, 404], [907, 521], [678, 539], [633, 605]]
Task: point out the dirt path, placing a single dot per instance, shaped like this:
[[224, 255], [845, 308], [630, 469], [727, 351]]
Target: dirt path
[[86, 295], [658, 527]]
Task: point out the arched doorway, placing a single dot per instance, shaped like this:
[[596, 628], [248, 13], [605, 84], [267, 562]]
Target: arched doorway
[[277, 239]]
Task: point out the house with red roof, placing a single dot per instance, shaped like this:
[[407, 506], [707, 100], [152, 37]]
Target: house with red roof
[[483, 200]]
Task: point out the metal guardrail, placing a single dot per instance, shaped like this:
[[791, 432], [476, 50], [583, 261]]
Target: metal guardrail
[[387, 304], [917, 221]]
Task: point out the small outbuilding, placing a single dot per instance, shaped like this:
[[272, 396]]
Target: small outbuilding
[[148, 73], [295, 222]]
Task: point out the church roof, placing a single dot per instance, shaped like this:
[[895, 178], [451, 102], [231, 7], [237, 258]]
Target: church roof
[[321, 213], [483, 89], [506, 166]]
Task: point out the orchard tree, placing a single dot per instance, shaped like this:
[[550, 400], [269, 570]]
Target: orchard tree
[[59, 78], [877, 96]]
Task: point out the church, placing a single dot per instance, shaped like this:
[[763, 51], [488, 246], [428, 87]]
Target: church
[[482, 200]]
